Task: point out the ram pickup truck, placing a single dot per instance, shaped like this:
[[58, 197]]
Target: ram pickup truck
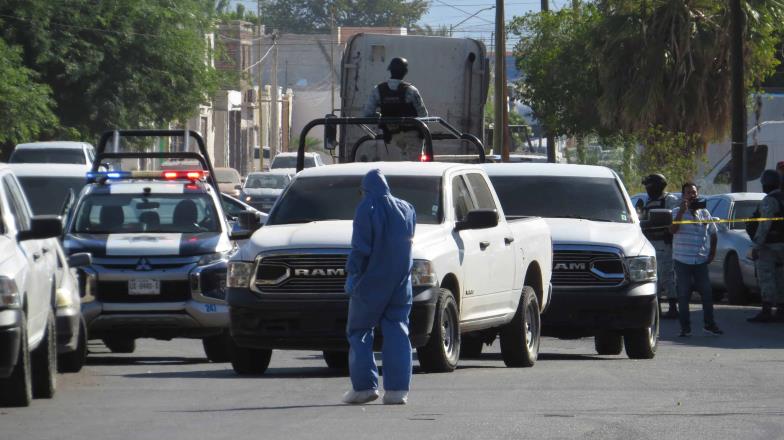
[[604, 269], [474, 272]]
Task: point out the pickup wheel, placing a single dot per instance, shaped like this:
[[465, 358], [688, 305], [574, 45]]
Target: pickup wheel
[[442, 350], [250, 361], [737, 293], [471, 346], [336, 360], [608, 343], [217, 347], [17, 389], [119, 344], [44, 361], [641, 343], [73, 362], [520, 337]]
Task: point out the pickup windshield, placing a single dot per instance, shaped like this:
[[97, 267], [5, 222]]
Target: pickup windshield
[[291, 162], [131, 213], [47, 194], [322, 198], [589, 198]]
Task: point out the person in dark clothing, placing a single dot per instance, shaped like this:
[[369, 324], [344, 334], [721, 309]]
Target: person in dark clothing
[[379, 287], [768, 249]]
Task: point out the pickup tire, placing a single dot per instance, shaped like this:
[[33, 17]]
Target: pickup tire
[[73, 362], [120, 344], [737, 292], [641, 343], [217, 347], [250, 361], [17, 389], [520, 337], [471, 345], [336, 360], [44, 361], [608, 343], [442, 350]]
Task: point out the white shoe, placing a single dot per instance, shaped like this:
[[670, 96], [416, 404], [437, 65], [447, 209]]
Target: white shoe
[[360, 397], [395, 397]]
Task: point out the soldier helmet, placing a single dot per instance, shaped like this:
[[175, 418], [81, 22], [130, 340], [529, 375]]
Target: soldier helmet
[[655, 179], [770, 178], [398, 65]]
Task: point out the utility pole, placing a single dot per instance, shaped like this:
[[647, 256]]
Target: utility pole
[[499, 83], [332, 43], [550, 137], [274, 98], [738, 99]]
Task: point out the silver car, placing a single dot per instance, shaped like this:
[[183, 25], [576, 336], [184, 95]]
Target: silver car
[[732, 271]]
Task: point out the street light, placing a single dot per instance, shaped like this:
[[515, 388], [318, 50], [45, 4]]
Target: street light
[[451, 27]]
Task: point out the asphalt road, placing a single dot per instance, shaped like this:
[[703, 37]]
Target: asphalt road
[[703, 387]]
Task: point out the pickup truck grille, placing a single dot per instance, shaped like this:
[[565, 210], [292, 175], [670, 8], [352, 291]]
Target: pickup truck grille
[[117, 291], [301, 273], [587, 268]]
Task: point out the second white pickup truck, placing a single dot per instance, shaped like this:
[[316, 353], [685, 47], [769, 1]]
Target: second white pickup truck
[[474, 271]]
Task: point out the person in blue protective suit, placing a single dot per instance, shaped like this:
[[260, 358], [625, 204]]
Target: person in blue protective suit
[[379, 289]]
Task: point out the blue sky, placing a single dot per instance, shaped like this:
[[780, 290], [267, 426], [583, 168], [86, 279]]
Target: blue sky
[[452, 12]]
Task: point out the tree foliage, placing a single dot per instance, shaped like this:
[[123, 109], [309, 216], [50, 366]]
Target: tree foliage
[[25, 104], [123, 63], [308, 16]]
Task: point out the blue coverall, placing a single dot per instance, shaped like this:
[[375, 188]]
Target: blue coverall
[[379, 286]]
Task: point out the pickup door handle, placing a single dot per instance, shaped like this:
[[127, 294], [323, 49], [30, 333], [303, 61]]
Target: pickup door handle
[[45, 250], [36, 256], [483, 245], [508, 240]]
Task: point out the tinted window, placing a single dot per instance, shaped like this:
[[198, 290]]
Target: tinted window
[[461, 198], [274, 181], [743, 210], [44, 155], [17, 204], [590, 198], [47, 195], [291, 162], [482, 194], [336, 197], [129, 213]]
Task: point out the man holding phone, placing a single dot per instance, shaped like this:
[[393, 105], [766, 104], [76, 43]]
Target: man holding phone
[[693, 248]]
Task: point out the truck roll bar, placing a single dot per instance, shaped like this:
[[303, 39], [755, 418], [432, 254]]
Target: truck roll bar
[[420, 124], [114, 136]]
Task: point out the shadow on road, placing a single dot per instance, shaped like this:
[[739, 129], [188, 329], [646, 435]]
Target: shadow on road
[[259, 408], [144, 360]]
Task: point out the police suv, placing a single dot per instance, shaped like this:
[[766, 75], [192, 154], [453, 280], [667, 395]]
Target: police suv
[[160, 243]]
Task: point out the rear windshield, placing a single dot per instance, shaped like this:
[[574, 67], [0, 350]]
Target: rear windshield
[[47, 155], [129, 213], [291, 162], [589, 198], [336, 197], [272, 181], [47, 195]]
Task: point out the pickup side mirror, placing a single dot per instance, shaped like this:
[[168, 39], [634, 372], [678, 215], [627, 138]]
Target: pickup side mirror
[[248, 222], [43, 226], [240, 234], [80, 259], [479, 219]]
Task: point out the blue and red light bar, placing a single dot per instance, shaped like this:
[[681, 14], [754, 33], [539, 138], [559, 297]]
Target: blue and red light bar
[[191, 175]]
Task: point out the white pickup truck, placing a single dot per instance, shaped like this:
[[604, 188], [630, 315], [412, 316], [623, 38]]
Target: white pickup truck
[[474, 271]]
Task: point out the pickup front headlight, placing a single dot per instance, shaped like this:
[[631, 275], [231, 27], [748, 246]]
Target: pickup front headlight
[[641, 269], [239, 274], [9, 294], [213, 258], [423, 274]]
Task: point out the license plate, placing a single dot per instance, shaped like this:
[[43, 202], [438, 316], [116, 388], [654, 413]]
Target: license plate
[[144, 287]]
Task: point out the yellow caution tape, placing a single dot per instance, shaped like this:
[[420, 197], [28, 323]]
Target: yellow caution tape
[[721, 220]]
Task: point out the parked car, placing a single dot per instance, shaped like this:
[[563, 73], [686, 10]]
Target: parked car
[[256, 158], [229, 181], [261, 190], [28, 332], [75, 153], [474, 271], [289, 160], [604, 269], [50, 188], [732, 271]]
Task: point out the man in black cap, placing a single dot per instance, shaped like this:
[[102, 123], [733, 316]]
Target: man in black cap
[[769, 249], [397, 98], [661, 239]]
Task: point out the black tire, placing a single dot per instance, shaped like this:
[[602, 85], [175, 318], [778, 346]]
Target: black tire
[[336, 360], [641, 343], [17, 389], [44, 362], [737, 292], [249, 361], [520, 337], [119, 344], [217, 347], [73, 362], [608, 343], [471, 345], [442, 350]]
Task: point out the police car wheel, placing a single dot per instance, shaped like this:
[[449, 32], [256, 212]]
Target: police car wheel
[[608, 343], [250, 361], [216, 347], [119, 344]]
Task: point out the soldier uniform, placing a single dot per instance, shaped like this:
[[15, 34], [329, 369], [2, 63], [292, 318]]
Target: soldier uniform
[[769, 245]]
